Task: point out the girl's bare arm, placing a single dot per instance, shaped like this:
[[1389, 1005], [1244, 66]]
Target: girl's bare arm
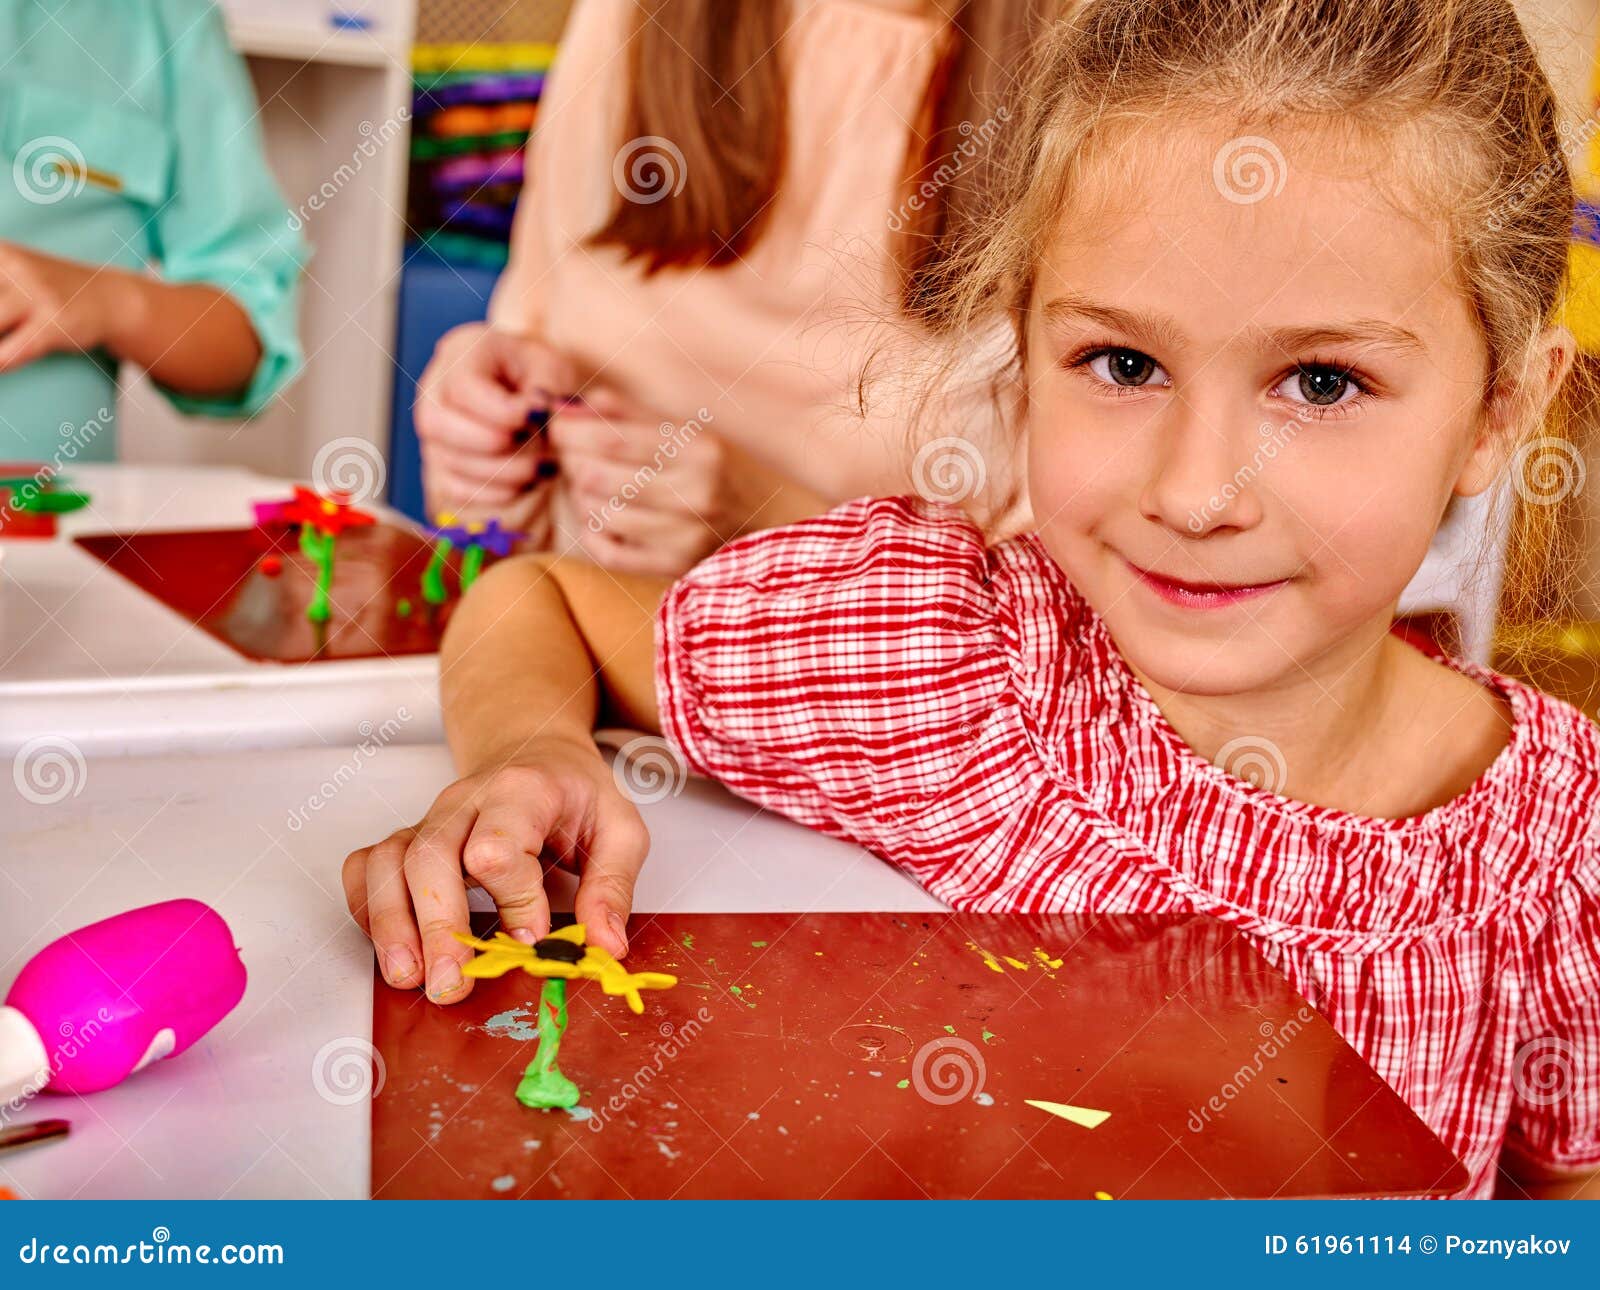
[[547, 648], [534, 656]]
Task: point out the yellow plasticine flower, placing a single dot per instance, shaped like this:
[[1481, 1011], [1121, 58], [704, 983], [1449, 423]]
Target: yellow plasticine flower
[[563, 955]]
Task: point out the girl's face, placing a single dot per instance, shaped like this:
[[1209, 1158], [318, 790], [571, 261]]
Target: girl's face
[[1247, 412]]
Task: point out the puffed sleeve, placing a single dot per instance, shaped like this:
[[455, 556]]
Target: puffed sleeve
[[835, 670], [226, 224], [1555, 1115]]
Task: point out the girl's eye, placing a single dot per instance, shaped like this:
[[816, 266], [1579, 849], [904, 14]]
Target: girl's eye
[[1127, 367], [1319, 385]]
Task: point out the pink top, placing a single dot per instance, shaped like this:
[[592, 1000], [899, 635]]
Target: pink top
[[881, 674], [768, 346]]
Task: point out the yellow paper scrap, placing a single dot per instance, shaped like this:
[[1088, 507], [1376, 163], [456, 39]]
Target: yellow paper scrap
[[1080, 1115]]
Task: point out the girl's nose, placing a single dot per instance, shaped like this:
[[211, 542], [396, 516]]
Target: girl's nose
[[1204, 475]]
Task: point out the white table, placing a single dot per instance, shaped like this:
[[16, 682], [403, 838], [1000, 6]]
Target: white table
[[91, 663], [239, 1114]]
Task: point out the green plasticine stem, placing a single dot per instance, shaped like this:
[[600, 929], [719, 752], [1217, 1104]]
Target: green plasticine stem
[[433, 576], [43, 503], [543, 1085], [471, 566], [319, 547]]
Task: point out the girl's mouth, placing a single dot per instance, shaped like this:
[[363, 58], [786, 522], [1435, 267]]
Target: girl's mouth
[[1202, 595]]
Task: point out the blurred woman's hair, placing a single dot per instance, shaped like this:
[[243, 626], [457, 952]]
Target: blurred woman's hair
[[707, 75]]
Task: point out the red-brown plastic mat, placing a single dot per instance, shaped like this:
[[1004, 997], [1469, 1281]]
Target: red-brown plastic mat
[[214, 579], [894, 1055]]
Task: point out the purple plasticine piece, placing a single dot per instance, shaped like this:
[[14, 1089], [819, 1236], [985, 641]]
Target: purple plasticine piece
[[493, 537]]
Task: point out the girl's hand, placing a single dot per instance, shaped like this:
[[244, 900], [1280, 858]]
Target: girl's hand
[[48, 305], [556, 799], [650, 496], [475, 403]]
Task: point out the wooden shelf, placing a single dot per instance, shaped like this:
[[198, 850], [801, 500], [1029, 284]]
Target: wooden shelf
[[330, 104], [303, 42]]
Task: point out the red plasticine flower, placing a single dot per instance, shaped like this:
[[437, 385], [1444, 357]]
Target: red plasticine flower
[[331, 515]]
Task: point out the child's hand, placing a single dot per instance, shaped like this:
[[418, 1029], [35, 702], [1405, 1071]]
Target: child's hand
[[48, 305], [654, 496], [557, 800], [473, 406]]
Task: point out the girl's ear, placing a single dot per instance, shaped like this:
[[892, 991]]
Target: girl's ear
[[1520, 403]]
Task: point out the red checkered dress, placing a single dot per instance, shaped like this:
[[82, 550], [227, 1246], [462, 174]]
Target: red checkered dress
[[880, 674]]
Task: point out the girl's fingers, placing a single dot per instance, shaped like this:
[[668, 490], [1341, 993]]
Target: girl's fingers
[[390, 922], [353, 878], [502, 856], [609, 873], [433, 875]]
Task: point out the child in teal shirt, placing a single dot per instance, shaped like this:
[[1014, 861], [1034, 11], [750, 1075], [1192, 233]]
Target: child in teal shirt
[[140, 225]]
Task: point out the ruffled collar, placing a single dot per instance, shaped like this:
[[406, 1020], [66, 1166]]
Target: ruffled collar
[[1101, 736]]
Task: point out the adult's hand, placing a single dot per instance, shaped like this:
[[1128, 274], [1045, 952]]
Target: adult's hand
[[477, 402], [648, 496]]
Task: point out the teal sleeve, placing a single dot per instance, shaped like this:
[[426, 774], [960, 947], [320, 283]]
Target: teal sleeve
[[226, 224]]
